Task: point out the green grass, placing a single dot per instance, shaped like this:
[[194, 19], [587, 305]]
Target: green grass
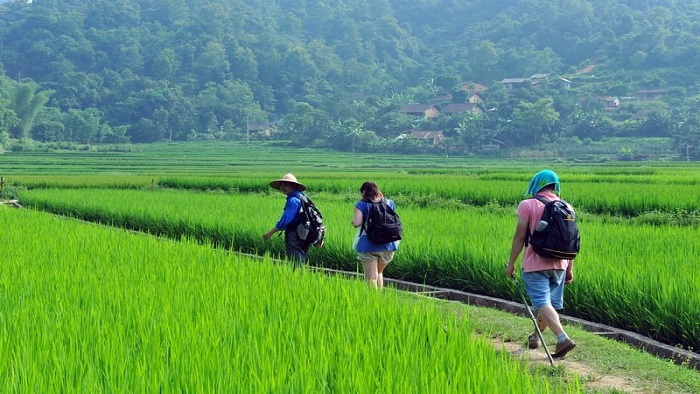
[[597, 358]]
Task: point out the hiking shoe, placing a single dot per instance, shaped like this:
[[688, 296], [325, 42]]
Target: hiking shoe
[[563, 348], [533, 341]]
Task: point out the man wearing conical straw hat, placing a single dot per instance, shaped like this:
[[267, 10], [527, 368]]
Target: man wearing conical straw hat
[[296, 249]]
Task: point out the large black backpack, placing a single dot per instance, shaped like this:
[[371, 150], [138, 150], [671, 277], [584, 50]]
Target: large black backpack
[[310, 228], [382, 223], [556, 235]]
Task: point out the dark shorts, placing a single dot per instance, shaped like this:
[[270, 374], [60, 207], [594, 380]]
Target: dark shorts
[[297, 250]]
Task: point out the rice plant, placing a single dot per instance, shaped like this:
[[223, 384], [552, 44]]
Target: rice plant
[[627, 276], [93, 309]]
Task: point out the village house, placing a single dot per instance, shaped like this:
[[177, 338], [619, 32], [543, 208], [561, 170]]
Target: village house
[[262, 129], [511, 83], [474, 87], [443, 98], [422, 110], [454, 108], [475, 98], [493, 144], [567, 84]]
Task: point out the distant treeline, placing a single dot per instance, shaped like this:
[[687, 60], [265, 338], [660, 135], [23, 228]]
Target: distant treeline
[[339, 74]]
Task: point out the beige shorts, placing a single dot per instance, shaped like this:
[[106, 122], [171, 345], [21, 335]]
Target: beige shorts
[[380, 257]]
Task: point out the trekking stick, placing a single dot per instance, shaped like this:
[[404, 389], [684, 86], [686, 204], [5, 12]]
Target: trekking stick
[[534, 320]]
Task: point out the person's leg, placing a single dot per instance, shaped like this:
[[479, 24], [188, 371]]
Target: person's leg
[[369, 267], [384, 260], [296, 249], [534, 338], [548, 300], [380, 275], [542, 288], [550, 318], [545, 289], [556, 296], [541, 325], [556, 290]]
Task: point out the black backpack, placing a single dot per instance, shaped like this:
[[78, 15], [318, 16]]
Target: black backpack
[[310, 228], [556, 235], [382, 224]]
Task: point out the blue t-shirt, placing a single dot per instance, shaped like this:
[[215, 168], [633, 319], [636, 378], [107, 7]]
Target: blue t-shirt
[[291, 209], [364, 245]]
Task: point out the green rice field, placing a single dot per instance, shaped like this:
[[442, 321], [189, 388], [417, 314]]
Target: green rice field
[[96, 309], [640, 238]]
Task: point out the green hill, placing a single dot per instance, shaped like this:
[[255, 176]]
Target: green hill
[[338, 74]]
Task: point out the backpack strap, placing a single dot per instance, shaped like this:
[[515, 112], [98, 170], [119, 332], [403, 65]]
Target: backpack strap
[[363, 228], [544, 201], [302, 200]]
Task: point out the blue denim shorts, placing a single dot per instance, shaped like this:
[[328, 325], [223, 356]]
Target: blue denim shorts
[[545, 288]]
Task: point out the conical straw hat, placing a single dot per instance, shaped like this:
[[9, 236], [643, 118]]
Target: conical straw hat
[[289, 178]]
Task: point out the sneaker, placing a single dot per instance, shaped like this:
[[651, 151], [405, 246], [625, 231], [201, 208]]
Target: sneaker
[[563, 348], [533, 341]]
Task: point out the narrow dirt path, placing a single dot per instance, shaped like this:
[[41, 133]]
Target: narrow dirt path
[[592, 379]]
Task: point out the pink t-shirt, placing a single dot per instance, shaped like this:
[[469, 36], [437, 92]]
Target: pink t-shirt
[[531, 210]]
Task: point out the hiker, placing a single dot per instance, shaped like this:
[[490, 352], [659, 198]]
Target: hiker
[[544, 278], [295, 248], [374, 256]]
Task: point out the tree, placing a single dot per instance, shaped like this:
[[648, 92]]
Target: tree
[[486, 54], [471, 130], [165, 64], [212, 64], [26, 103], [535, 120], [593, 124], [83, 125], [687, 135], [49, 126], [347, 135], [306, 124], [658, 123], [8, 118], [232, 100]]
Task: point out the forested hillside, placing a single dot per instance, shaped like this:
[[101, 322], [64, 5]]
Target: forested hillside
[[340, 74]]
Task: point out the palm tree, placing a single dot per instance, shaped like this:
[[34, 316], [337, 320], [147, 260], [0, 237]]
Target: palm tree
[[26, 102]]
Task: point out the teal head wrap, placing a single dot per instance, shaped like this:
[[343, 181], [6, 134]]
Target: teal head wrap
[[542, 179]]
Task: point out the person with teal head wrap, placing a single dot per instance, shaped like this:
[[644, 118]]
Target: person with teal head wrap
[[544, 278], [542, 179]]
